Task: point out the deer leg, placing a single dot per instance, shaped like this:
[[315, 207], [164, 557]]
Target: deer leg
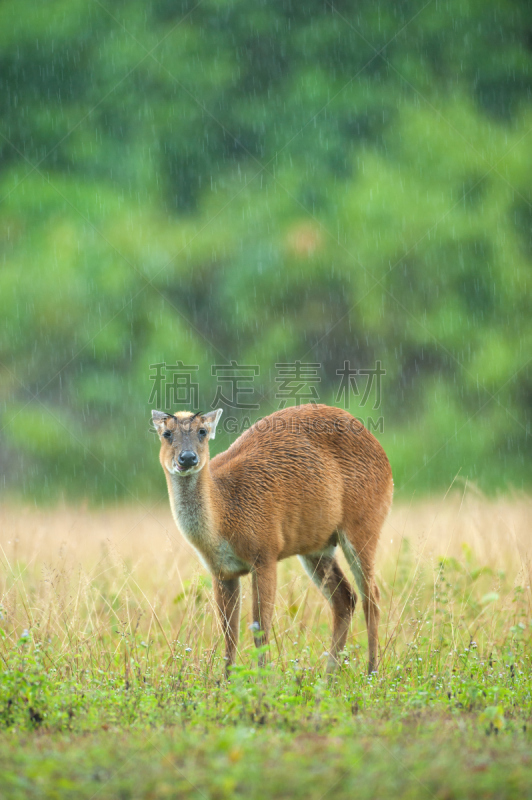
[[325, 572], [263, 583], [361, 564], [227, 595]]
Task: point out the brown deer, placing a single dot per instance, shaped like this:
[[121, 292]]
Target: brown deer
[[298, 482]]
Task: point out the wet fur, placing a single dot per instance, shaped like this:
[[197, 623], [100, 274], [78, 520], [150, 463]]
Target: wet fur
[[299, 482]]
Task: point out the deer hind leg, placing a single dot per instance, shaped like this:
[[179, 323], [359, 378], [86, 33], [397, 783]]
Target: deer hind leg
[[227, 595], [360, 560], [325, 572], [263, 585]]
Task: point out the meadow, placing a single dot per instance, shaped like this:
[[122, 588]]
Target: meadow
[[111, 667]]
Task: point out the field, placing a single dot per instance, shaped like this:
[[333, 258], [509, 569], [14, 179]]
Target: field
[[111, 680]]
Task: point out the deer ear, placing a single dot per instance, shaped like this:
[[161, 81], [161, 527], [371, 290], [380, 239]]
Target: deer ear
[[159, 420], [210, 419]]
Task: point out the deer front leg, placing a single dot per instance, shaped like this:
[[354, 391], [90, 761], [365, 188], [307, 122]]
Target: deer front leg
[[264, 583], [227, 595]]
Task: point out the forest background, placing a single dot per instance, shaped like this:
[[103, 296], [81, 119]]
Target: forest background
[[333, 190]]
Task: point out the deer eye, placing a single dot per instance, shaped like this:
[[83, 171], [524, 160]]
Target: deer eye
[[167, 434], [202, 432]]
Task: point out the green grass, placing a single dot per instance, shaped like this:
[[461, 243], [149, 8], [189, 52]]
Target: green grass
[[103, 699], [419, 759], [178, 729]]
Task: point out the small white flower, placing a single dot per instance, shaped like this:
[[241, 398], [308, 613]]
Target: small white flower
[[254, 626], [25, 634]]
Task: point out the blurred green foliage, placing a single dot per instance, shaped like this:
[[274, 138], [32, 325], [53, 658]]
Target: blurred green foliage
[[267, 183]]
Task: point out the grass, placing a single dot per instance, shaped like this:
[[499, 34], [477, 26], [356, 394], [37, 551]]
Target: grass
[[111, 665]]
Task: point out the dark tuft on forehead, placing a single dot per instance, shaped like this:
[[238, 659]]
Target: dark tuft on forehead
[[185, 420]]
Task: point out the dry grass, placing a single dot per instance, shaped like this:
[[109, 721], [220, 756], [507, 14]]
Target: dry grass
[[90, 579]]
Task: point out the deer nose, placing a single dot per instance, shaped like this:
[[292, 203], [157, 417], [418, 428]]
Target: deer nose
[[187, 458]]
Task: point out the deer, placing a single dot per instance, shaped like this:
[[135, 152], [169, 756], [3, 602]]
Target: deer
[[301, 481]]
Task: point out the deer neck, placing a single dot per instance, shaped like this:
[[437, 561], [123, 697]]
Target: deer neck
[[190, 501]]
